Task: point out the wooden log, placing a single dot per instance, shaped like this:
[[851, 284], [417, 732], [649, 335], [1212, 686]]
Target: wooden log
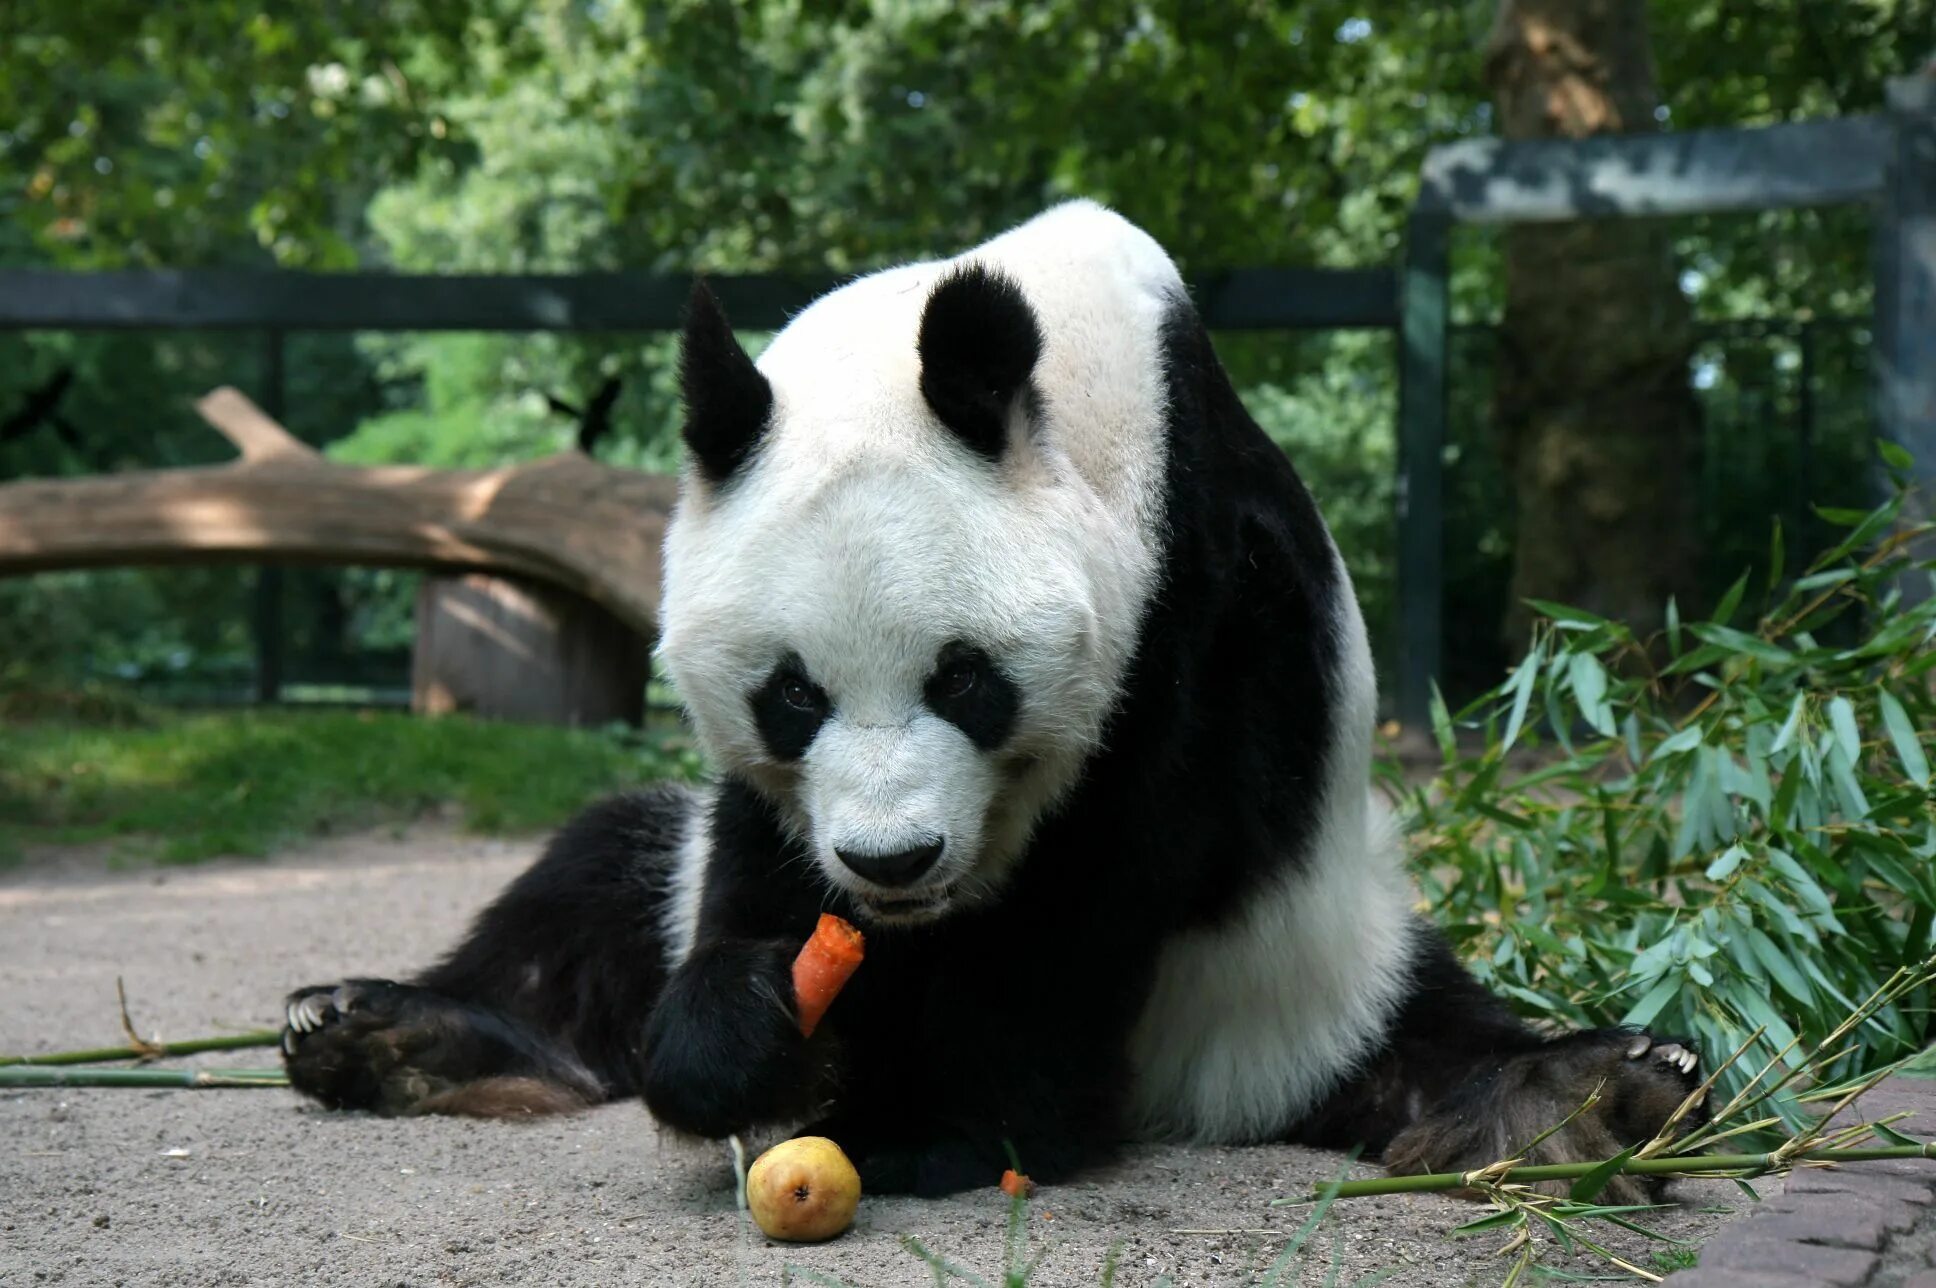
[[511, 650], [564, 521]]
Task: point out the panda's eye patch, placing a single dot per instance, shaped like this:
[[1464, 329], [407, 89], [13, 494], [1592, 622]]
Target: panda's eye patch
[[788, 709], [969, 691], [798, 694], [955, 680]]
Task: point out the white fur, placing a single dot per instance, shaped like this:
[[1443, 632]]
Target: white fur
[[864, 536], [1251, 1023], [686, 883]]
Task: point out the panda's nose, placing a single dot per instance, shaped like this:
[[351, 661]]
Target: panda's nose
[[903, 867]]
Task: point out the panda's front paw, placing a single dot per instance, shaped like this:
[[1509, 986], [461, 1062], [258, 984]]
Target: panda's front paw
[[723, 1050], [928, 1170]]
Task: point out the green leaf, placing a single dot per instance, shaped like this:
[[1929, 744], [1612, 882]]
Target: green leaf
[[1779, 967], [1566, 618], [1833, 577], [1895, 454], [1653, 1002], [1723, 868], [1673, 627], [1903, 734], [1588, 1187], [1855, 803], [1893, 1136], [1589, 681], [1508, 1218], [1740, 642], [1685, 740], [1522, 691], [1841, 718], [1724, 611], [1791, 724], [1442, 727], [1775, 558]]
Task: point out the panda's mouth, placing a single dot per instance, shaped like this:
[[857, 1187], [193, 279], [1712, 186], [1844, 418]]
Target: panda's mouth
[[901, 909]]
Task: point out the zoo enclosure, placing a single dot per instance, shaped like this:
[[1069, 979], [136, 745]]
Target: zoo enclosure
[[1887, 161], [272, 306]]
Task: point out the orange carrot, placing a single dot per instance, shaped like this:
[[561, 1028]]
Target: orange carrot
[[823, 968], [1016, 1185]]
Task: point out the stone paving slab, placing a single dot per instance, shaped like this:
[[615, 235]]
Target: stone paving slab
[[1856, 1225]]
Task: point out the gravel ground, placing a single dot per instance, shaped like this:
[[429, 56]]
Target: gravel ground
[[257, 1187]]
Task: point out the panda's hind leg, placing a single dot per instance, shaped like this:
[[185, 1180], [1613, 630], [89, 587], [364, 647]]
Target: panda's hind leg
[[1610, 1088], [399, 1049]]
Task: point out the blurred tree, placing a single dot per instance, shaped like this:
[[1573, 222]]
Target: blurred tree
[[1599, 425]]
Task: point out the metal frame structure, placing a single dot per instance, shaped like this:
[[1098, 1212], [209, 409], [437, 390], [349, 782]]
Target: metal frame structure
[[276, 303], [1888, 160]]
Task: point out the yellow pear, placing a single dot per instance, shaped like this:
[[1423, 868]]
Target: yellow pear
[[803, 1190]]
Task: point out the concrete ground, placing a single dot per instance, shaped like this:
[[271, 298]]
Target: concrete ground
[[255, 1186]]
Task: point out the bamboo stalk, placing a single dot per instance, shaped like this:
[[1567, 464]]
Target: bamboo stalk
[[191, 1046], [30, 1076], [1691, 1164]]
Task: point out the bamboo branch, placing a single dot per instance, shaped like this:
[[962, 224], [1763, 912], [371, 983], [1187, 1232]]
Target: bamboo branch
[[194, 1079], [151, 1050], [1685, 1165]]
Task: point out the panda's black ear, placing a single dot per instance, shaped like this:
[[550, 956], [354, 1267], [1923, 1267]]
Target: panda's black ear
[[728, 402], [979, 345]]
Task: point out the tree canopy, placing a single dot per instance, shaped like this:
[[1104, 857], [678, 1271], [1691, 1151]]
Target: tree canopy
[[564, 135]]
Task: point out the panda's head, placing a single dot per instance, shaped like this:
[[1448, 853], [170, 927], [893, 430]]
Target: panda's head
[[892, 604]]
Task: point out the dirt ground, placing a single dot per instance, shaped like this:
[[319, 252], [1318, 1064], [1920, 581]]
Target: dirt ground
[[257, 1187]]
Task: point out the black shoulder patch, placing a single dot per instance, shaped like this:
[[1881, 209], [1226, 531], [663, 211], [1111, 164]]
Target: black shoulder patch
[[979, 345], [728, 402]]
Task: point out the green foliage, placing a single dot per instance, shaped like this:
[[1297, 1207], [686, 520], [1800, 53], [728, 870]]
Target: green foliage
[[487, 135], [183, 788], [1731, 832]]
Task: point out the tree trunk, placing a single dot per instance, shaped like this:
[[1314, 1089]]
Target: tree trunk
[[564, 521], [1600, 429]]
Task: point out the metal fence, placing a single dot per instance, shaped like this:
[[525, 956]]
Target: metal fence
[[257, 319], [1787, 420]]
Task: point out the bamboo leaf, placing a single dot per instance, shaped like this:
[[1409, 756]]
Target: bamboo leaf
[[1903, 734], [1891, 1135], [1733, 641], [1841, 718], [1724, 611], [1653, 1002], [1442, 728], [1522, 691], [1723, 868], [1790, 725], [1507, 1219], [1588, 1187]]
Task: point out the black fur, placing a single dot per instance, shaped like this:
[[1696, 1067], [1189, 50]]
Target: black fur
[[1461, 1081], [1006, 1025], [984, 707], [979, 344], [728, 402], [789, 709]]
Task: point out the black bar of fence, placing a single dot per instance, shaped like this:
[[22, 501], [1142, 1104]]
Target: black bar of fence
[[266, 625], [1251, 299], [1423, 356], [1905, 298]]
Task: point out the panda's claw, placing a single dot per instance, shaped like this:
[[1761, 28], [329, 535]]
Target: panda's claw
[[1639, 1046]]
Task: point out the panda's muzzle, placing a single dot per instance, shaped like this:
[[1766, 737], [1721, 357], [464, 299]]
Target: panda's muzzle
[[900, 868]]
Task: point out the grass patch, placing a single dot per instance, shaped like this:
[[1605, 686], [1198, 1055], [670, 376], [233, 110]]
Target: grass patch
[[183, 787]]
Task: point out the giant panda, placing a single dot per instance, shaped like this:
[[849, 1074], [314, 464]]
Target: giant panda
[[1013, 639]]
